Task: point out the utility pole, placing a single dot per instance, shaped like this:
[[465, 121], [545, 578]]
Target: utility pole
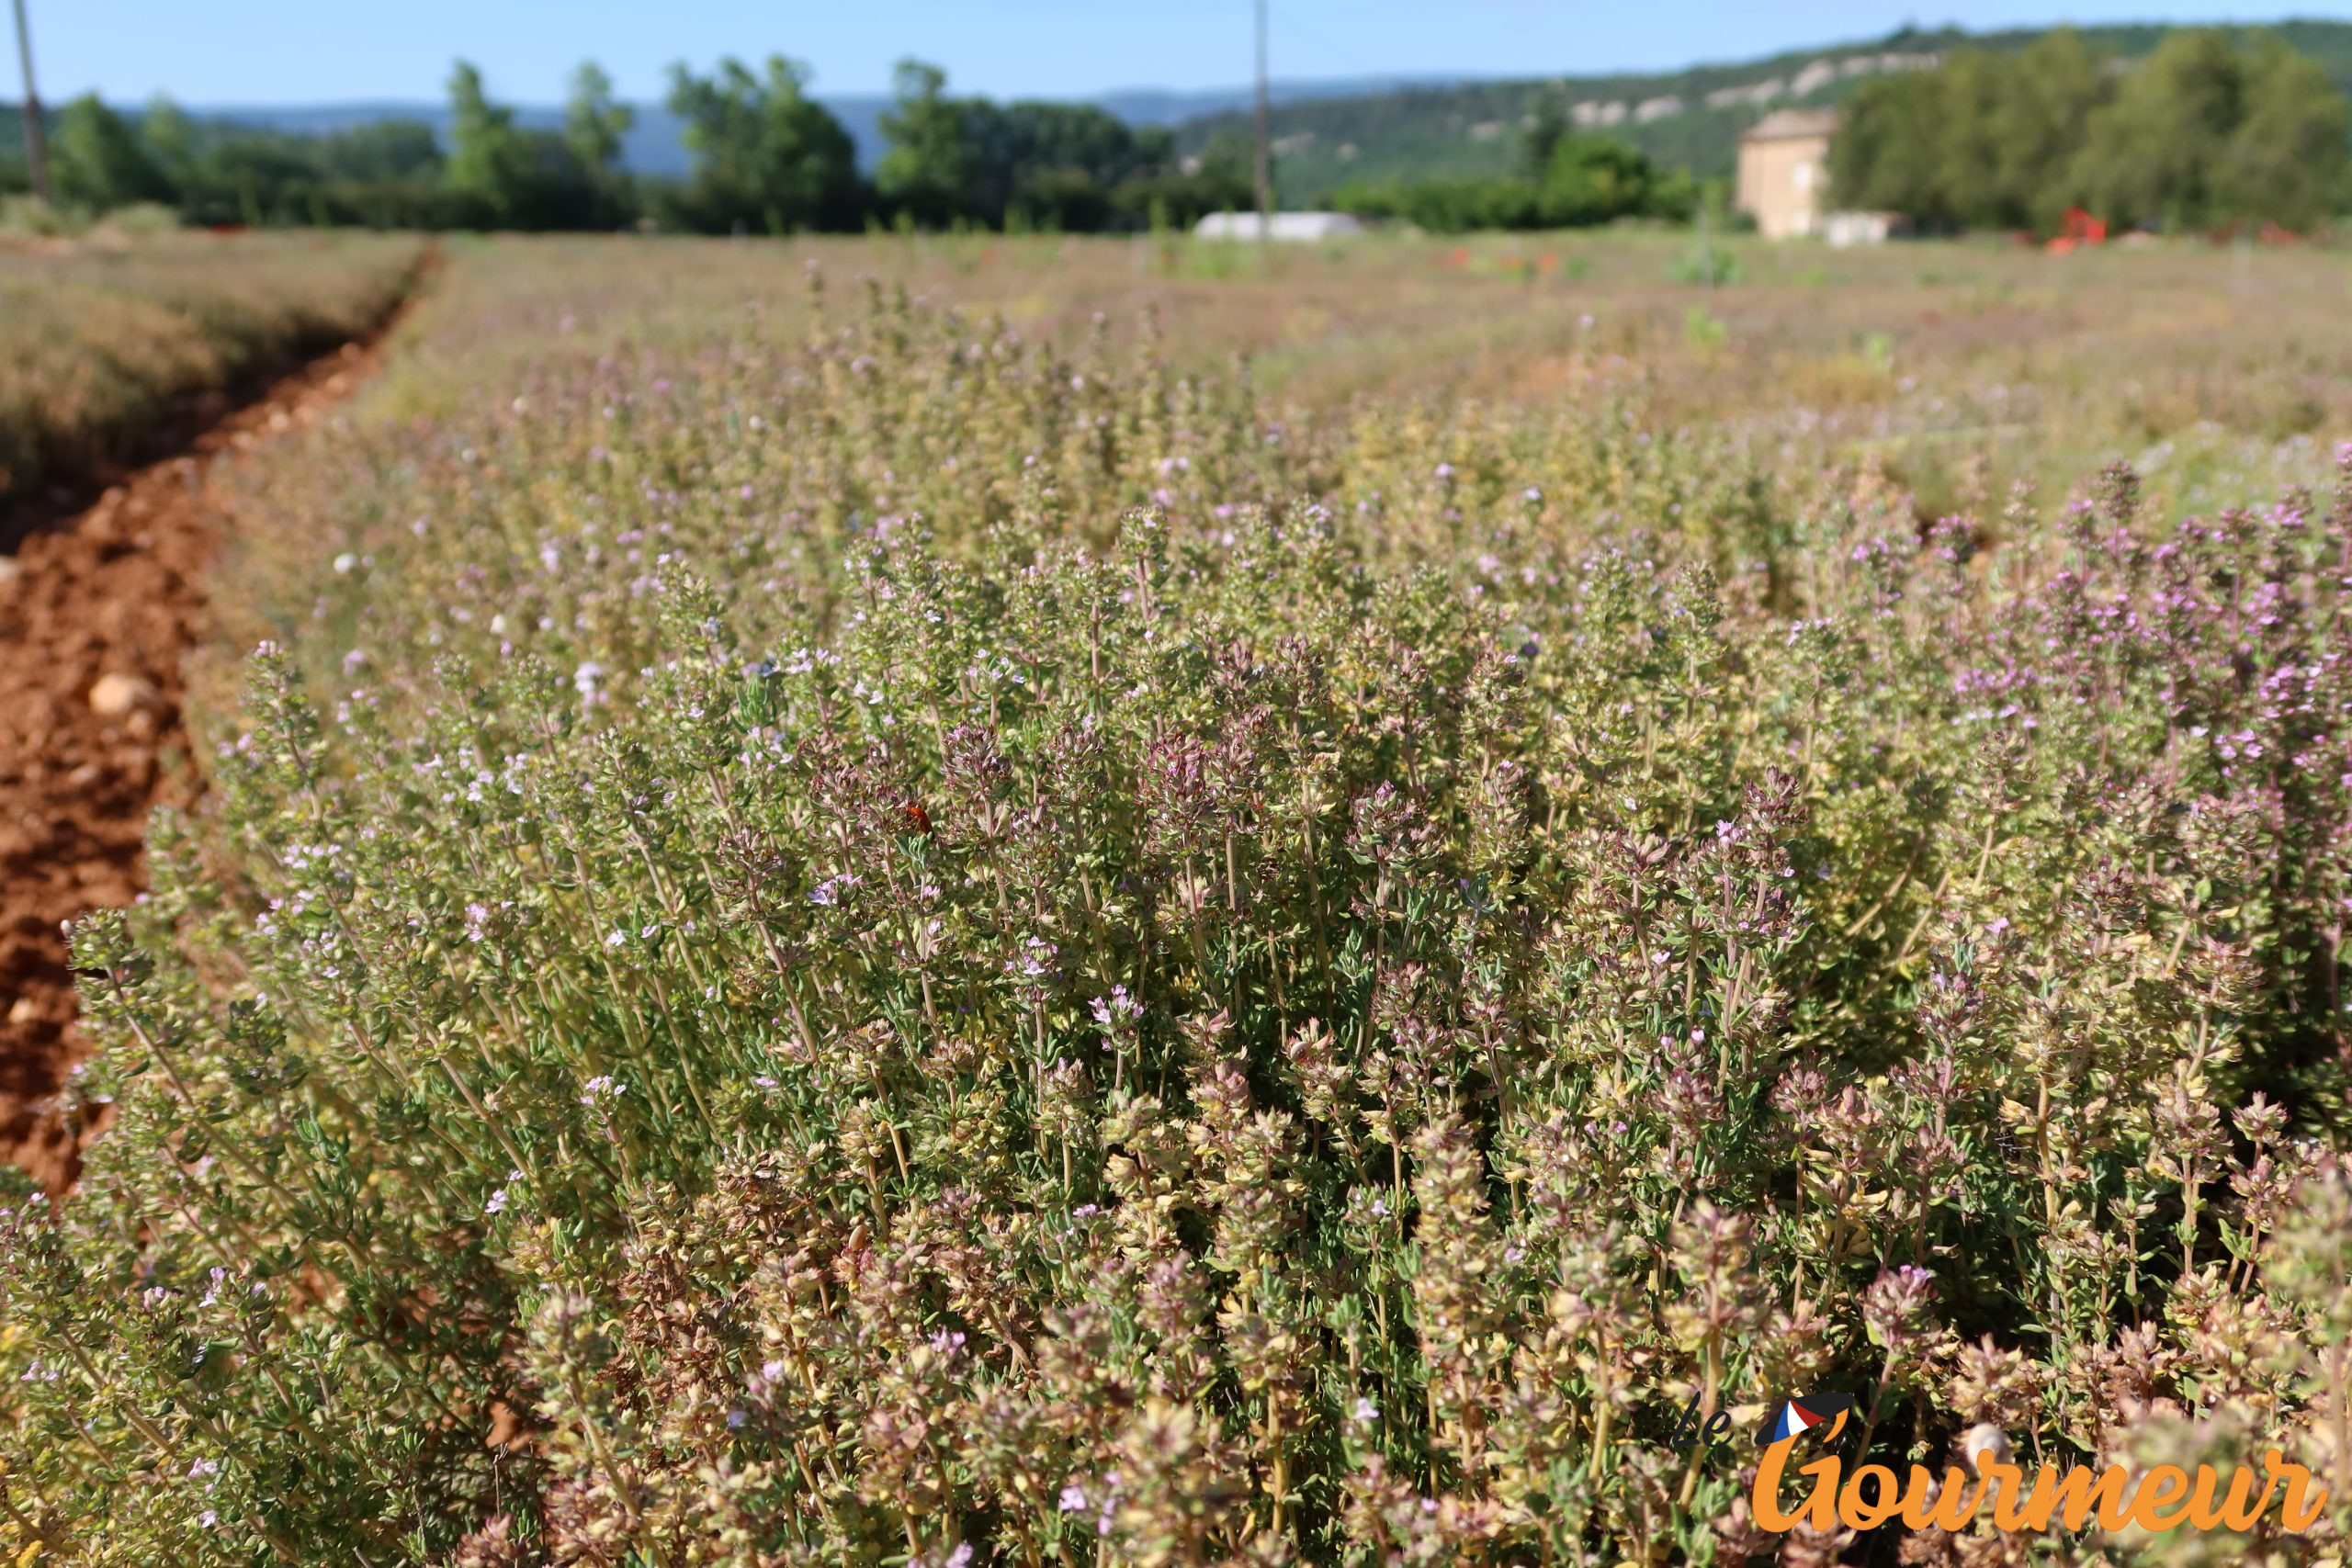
[[36, 154], [1265, 149]]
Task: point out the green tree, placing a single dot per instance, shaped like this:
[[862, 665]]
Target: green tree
[[1549, 129], [1054, 165], [1969, 160], [1887, 154], [2040, 121], [930, 167], [1064, 167], [1219, 179], [594, 122], [2197, 133], [487, 155], [1592, 179], [2153, 155], [387, 175], [171, 138], [253, 177], [2286, 162], [382, 150], [1587, 180], [98, 160], [1995, 133], [766, 155], [508, 177], [2202, 134]]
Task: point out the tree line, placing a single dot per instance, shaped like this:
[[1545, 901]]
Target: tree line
[[1566, 179], [2200, 134], [766, 158], [2203, 132]]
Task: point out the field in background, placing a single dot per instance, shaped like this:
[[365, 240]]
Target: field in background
[[1952, 366], [102, 343]]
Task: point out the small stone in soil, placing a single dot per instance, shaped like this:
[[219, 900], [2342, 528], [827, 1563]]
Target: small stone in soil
[[115, 695]]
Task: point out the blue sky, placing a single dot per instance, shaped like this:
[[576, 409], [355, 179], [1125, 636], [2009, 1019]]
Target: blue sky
[[304, 51]]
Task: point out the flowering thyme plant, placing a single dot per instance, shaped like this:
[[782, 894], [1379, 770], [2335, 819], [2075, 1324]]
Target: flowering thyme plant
[[923, 954]]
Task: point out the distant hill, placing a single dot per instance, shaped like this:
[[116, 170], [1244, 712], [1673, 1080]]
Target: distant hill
[[1690, 118]]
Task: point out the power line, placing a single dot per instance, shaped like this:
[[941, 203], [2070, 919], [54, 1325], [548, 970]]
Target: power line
[[1265, 151], [1349, 61], [36, 153]]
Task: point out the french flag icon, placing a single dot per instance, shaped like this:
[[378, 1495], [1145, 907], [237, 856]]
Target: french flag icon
[[1794, 1417]]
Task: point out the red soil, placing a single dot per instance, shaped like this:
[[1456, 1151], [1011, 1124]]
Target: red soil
[[104, 602]]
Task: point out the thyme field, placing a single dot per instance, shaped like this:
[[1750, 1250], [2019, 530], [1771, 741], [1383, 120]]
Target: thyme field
[[103, 341], [858, 903]]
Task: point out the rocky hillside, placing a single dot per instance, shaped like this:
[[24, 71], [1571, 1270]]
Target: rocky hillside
[[1690, 118]]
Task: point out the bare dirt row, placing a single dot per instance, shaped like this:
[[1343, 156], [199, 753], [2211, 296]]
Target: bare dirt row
[[97, 613]]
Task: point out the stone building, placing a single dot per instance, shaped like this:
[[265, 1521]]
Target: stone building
[[1784, 172]]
